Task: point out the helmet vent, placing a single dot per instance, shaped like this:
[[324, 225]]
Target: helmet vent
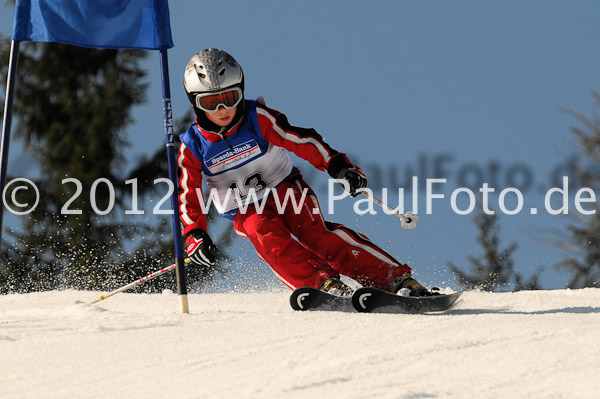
[[222, 71]]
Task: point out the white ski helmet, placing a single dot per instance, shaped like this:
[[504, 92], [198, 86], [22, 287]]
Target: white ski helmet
[[213, 71]]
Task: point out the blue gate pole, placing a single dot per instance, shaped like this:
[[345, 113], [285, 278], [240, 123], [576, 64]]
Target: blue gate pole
[[7, 122], [170, 141]]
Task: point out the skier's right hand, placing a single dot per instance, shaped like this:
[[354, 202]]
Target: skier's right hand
[[200, 248]]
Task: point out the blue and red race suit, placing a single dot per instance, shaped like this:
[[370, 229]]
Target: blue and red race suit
[[249, 163]]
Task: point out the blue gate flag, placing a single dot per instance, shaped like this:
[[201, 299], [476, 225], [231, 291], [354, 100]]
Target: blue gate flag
[[115, 24]]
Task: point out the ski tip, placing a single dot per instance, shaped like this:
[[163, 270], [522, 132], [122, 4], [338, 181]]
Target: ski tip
[[308, 298], [368, 299], [361, 299], [298, 299]]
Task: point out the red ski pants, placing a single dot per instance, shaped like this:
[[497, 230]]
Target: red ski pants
[[305, 250]]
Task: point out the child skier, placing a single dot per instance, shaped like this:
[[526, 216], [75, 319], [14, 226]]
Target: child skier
[[240, 146]]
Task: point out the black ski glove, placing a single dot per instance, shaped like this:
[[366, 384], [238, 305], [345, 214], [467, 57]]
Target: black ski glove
[[200, 248], [355, 178], [341, 168]]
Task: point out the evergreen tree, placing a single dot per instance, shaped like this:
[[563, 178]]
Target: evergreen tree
[[72, 107], [584, 265], [495, 269]]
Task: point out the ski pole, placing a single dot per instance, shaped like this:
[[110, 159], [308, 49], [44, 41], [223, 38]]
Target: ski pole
[[409, 221], [138, 281]]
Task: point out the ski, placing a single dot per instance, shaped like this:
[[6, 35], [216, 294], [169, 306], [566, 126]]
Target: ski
[[308, 298], [374, 300]]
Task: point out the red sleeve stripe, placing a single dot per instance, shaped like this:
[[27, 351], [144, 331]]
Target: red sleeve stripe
[[183, 183], [293, 138]]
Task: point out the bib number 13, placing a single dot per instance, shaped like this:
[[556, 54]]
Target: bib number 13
[[255, 182]]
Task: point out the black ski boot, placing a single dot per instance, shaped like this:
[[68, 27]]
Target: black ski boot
[[405, 285], [335, 286]]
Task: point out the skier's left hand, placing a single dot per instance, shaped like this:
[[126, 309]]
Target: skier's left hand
[[355, 178]]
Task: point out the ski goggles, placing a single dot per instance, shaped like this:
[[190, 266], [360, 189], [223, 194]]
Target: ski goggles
[[211, 102]]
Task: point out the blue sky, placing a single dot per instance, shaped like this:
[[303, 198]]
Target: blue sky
[[477, 86]]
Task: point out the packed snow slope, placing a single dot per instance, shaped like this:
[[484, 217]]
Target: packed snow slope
[[530, 344]]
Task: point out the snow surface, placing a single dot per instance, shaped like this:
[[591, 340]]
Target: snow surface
[[529, 344]]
